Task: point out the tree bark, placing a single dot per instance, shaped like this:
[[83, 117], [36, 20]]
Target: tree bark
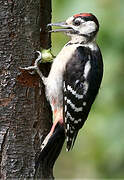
[[25, 114]]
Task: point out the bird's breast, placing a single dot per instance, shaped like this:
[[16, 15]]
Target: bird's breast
[[54, 85]]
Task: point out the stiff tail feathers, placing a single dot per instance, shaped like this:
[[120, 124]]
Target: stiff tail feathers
[[71, 140]]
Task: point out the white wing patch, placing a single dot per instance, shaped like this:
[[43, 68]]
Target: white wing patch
[[87, 68], [86, 72]]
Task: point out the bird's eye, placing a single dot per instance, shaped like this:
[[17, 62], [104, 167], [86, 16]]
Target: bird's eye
[[77, 22]]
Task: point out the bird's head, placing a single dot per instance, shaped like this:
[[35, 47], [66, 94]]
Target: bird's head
[[84, 26]]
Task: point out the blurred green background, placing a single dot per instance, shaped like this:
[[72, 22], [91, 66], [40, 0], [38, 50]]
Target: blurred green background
[[99, 148]]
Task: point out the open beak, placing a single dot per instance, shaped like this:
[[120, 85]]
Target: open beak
[[64, 27]]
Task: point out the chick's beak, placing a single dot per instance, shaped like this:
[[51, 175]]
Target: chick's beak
[[64, 27]]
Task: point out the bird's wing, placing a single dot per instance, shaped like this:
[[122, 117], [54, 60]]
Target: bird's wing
[[80, 86]]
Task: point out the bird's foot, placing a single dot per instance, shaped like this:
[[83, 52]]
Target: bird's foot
[[34, 68], [44, 56]]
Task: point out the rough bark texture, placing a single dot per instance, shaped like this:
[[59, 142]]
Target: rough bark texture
[[25, 115]]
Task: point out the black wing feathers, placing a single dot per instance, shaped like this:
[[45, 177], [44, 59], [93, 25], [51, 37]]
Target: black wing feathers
[[82, 80]]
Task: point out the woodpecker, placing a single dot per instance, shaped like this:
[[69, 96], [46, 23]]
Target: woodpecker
[[75, 76]]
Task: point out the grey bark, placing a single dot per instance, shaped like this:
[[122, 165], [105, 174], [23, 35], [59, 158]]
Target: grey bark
[[25, 115]]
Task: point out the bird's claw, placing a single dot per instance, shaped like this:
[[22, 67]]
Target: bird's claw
[[38, 58], [45, 56], [33, 69]]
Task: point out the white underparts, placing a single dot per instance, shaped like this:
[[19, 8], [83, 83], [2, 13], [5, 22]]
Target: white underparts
[[54, 85]]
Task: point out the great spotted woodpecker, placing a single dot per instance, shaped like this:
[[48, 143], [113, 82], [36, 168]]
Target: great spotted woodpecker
[[75, 76]]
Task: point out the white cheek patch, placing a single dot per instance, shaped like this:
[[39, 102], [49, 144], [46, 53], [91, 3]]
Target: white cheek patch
[[88, 27]]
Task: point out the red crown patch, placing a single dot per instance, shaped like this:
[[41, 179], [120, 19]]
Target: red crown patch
[[82, 14]]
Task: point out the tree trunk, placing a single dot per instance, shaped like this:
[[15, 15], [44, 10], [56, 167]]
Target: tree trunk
[[25, 114]]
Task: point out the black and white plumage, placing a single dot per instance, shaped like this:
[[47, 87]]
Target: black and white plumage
[[81, 85], [75, 76]]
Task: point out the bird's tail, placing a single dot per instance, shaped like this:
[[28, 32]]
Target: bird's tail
[[70, 139]]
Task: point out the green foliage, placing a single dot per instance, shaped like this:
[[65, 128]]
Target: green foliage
[[99, 149]]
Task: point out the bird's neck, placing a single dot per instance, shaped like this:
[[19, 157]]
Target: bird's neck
[[84, 39]]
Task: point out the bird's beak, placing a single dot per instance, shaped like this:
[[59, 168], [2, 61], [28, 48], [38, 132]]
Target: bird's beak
[[64, 27]]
